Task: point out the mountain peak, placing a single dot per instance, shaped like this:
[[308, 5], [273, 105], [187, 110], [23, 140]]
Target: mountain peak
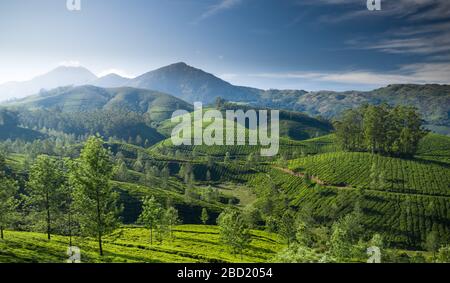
[[180, 64], [72, 70], [111, 80]]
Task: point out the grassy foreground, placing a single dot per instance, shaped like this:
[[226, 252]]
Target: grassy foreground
[[191, 243]]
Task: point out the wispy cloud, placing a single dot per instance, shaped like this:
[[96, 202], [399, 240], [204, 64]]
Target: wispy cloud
[[410, 9], [222, 5], [424, 27], [429, 40], [423, 73]]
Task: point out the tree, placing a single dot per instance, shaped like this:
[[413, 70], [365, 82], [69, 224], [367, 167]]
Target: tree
[[227, 158], [121, 170], [432, 242], [165, 173], [171, 219], [346, 233], [94, 198], [219, 102], [271, 224], [381, 129], [205, 216], [151, 215], [2, 163], [340, 246], [374, 128], [287, 227], [45, 189], [233, 231], [8, 202], [138, 166], [349, 130], [303, 234]]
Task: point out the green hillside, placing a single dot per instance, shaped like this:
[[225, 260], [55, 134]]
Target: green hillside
[[432, 100], [158, 105], [191, 244]]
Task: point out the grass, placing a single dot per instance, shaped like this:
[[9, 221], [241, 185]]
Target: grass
[[243, 193], [191, 244]]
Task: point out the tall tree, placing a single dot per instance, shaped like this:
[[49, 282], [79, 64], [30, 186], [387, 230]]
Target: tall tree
[[8, 202], [234, 231], [151, 215], [381, 129], [205, 216], [45, 190], [171, 219], [287, 226], [94, 198], [432, 242]]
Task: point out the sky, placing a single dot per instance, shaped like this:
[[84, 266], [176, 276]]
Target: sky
[[283, 44]]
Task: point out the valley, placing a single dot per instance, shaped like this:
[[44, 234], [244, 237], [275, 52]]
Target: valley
[[339, 184]]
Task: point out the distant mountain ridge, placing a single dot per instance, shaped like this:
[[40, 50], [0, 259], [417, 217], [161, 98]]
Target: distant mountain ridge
[[432, 100], [191, 84], [61, 76]]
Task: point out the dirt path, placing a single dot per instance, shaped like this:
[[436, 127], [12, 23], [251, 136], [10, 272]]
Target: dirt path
[[314, 179]]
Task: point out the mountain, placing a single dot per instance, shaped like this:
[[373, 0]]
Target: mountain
[[191, 84], [111, 80], [433, 101], [159, 106], [60, 76]]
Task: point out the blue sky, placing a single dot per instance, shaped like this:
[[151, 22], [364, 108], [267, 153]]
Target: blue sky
[[295, 44]]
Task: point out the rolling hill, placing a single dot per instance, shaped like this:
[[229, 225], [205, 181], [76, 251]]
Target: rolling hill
[[191, 244], [86, 98]]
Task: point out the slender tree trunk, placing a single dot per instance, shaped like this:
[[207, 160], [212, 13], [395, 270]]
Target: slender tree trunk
[[48, 217], [1, 232], [100, 225], [70, 228], [151, 235], [100, 246]]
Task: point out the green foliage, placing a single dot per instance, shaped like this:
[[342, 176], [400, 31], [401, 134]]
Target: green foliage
[[346, 234], [357, 169], [46, 193], [286, 227], [8, 202], [234, 231], [205, 216], [190, 244], [151, 215], [94, 199], [381, 129], [171, 219], [444, 254], [432, 243]]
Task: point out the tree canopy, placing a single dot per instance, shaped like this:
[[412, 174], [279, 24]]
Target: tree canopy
[[381, 129]]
